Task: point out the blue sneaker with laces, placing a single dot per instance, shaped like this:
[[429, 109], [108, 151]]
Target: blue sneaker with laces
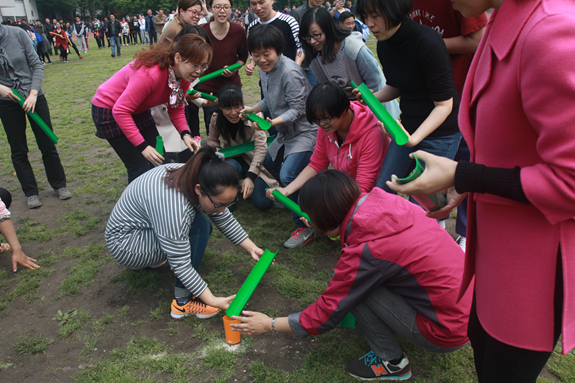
[[371, 367]]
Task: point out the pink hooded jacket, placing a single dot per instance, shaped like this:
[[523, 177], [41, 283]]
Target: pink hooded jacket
[[362, 152]]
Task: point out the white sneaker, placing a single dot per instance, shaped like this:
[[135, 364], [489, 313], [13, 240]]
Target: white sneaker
[[463, 243], [442, 223]]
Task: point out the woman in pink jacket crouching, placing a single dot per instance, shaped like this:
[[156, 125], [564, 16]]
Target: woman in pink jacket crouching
[[518, 118]]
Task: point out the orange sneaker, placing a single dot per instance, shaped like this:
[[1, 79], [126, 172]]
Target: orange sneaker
[[194, 306]]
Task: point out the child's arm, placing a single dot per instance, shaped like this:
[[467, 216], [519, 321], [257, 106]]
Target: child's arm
[[18, 256]]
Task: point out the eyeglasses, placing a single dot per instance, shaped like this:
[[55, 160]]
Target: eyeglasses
[[223, 205], [315, 36], [197, 67], [323, 120], [193, 11], [233, 108], [217, 7]]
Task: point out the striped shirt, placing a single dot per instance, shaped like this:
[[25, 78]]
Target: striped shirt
[[151, 223], [289, 29]]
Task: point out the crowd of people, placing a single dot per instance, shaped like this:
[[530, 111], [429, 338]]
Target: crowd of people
[[474, 103]]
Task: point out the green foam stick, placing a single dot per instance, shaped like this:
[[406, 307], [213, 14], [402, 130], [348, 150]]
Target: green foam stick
[[37, 118], [265, 125], [206, 96], [218, 73], [160, 145], [348, 321], [430, 202], [294, 207], [236, 150], [397, 133], [250, 284]]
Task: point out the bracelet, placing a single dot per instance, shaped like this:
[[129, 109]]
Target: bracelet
[[274, 325]]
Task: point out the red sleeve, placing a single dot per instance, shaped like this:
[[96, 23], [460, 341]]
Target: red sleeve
[[375, 146], [473, 24], [319, 159], [138, 89]]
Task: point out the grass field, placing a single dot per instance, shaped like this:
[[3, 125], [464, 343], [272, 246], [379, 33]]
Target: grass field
[[82, 317]]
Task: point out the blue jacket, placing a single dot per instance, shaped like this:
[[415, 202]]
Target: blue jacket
[[150, 24]]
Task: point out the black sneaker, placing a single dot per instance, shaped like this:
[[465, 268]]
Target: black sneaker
[[371, 367]]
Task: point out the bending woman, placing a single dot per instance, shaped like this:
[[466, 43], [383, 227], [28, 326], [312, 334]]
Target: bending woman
[[349, 139], [159, 75], [338, 55], [521, 182], [159, 218], [398, 273], [417, 68], [227, 127]]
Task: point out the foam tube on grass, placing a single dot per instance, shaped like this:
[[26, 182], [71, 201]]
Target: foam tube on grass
[[236, 150], [430, 202], [250, 284], [218, 73], [206, 96], [396, 131], [294, 207], [263, 124], [36, 118]]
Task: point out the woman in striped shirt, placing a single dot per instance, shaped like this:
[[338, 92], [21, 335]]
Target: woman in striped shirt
[[158, 218]]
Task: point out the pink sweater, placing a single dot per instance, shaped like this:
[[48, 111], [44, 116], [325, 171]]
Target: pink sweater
[[361, 154], [131, 92]]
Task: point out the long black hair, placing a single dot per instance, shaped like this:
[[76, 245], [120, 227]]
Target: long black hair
[[206, 168], [230, 96], [333, 33]]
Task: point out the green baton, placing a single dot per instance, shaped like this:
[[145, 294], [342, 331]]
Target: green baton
[[37, 118], [206, 96], [160, 145], [236, 150], [294, 207], [265, 125], [250, 284], [397, 133], [348, 321], [219, 72]]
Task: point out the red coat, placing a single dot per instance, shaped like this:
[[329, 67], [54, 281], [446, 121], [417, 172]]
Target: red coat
[[61, 38], [518, 109]]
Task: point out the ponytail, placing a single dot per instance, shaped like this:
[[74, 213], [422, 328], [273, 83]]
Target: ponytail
[[207, 168]]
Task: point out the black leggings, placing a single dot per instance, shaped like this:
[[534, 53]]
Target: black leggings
[[126, 39], [45, 57], [497, 362], [63, 52], [74, 47]]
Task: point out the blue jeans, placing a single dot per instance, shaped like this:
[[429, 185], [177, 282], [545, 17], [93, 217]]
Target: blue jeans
[[285, 171], [145, 39], [259, 194], [398, 162], [115, 40], [200, 231]]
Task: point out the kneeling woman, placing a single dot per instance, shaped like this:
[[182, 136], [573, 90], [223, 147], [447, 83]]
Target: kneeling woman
[[159, 218], [159, 75], [227, 126], [398, 273]]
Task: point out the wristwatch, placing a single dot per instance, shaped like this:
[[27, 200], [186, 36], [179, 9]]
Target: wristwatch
[[274, 325]]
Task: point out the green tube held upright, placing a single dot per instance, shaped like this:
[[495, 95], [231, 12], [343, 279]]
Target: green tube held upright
[[37, 118], [294, 207], [206, 96], [219, 72], [236, 150], [264, 125], [160, 145], [397, 133], [250, 284]]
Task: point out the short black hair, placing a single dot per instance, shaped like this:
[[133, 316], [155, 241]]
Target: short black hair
[[392, 11], [345, 15], [265, 36], [326, 100], [194, 29]]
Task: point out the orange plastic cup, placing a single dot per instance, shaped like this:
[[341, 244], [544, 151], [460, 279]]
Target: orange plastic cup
[[232, 337]]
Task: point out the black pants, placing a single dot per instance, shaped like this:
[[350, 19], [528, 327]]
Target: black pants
[[63, 52], [135, 162], [193, 118], [126, 39], [135, 37], [6, 197], [14, 122], [74, 47], [153, 36], [99, 42], [497, 362]]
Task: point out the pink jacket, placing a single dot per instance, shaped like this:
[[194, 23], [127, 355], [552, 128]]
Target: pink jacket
[[361, 154], [131, 92], [518, 109], [388, 241]]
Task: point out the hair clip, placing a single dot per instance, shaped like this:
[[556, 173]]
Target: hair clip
[[221, 156]]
